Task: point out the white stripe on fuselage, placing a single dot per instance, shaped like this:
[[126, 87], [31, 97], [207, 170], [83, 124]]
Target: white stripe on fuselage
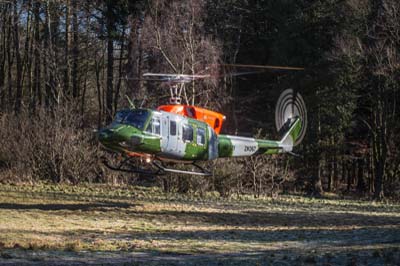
[[243, 146], [172, 147]]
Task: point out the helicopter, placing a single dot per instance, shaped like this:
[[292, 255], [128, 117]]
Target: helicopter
[[149, 141]]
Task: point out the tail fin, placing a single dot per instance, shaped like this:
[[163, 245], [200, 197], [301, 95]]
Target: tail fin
[[291, 120], [291, 136], [289, 140]]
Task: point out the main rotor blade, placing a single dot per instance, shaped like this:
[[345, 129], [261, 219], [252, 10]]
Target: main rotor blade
[[264, 67], [186, 77], [176, 76], [235, 74], [147, 79]]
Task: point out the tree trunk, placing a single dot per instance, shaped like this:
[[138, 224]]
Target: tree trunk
[[10, 61], [329, 172], [37, 96], [110, 74], [18, 93], [29, 54], [379, 165], [99, 98], [75, 50], [379, 143], [344, 168], [370, 174], [134, 66], [66, 51], [316, 188], [120, 70], [47, 57], [3, 54], [53, 28], [379, 173], [360, 176], [350, 172], [335, 172], [86, 69]]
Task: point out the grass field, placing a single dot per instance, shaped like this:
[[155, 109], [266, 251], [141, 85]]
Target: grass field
[[99, 224]]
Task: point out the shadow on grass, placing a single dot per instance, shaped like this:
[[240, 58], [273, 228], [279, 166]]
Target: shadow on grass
[[302, 238], [95, 206], [217, 203], [368, 256], [271, 218], [262, 218]]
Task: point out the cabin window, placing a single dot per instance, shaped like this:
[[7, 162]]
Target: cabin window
[[172, 128], [187, 133], [154, 126], [201, 136]]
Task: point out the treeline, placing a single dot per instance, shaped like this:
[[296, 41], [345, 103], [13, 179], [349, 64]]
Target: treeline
[[67, 66]]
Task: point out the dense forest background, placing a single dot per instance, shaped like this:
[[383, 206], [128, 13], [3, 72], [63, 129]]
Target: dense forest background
[[67, 66]]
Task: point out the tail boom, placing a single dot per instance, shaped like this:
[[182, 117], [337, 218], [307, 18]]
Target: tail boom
[[235, 146]]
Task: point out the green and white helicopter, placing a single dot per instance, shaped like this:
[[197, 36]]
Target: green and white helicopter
[[149, 140]]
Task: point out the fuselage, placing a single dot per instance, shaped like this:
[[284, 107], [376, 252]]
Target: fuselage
[[161, 134], [170, 136]]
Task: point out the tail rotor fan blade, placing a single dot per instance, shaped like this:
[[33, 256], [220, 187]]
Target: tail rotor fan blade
[[291, 105]]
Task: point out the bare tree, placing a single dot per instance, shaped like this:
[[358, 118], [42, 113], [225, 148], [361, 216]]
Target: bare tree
[[175, 42]]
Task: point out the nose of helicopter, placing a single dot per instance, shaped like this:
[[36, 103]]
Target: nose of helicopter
[[119, 135], [104, 134]]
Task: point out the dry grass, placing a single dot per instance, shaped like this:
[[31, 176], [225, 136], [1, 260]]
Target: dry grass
[[112, 219]]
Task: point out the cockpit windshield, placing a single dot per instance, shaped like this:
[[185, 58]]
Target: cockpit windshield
[[120, 115], [135, 118]]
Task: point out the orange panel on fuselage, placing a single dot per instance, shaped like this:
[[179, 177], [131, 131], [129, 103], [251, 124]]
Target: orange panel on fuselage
[[212, 118]]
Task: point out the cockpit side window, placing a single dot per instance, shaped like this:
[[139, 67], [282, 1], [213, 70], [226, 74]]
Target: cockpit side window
[[154, 125]]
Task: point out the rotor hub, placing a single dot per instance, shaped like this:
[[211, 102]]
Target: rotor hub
[[176, 92]]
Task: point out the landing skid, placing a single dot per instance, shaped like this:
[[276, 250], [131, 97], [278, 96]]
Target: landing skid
[[134, 165]]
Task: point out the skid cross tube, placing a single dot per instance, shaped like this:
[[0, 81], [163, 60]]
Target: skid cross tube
[[202, 172], [133, 169], [127, 166]]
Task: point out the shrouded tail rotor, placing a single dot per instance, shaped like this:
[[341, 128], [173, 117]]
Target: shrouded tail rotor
[[289, 107]]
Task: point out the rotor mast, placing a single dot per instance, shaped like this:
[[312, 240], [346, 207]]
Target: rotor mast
[[176, 92]]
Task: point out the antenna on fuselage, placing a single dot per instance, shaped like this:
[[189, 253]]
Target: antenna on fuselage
[[143, 101], [131, 105]]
